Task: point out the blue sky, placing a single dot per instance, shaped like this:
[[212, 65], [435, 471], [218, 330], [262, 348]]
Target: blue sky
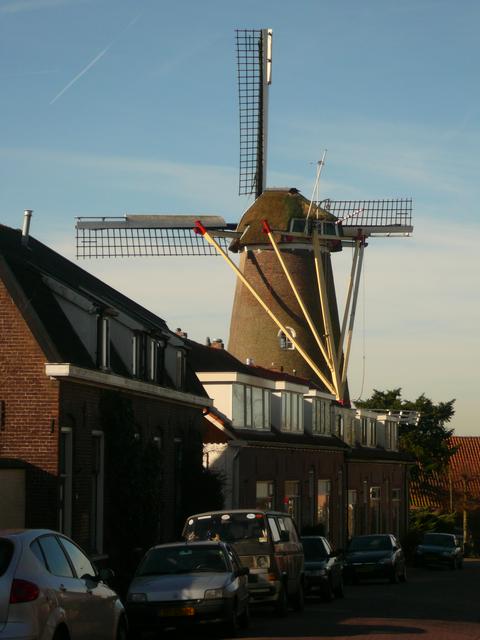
[[115, 106]]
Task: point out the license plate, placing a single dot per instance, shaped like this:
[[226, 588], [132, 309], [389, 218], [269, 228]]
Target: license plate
[[170, 612]]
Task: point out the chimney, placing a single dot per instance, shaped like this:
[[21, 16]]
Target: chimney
[[181, 333], [218, 344], [27, 215], [249, 362]]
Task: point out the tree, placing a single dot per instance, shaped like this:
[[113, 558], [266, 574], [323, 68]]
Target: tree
[[427, 438]]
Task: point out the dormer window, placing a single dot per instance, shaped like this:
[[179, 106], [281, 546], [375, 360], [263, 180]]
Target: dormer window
[[139, 354], [103, 341], [156, 366], [285, 341], [180, 369], [292, 411]]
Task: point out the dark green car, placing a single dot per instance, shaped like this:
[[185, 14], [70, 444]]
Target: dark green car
[[439, 549]]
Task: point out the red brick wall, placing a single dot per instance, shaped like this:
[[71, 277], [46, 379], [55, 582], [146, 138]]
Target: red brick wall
[[280, 465], [30, 430]]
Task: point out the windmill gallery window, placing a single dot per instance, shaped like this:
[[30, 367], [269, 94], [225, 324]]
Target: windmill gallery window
[[251, 407], [103, 341], [285, 341]]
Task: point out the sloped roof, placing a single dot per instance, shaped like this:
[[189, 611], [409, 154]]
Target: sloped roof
[[463, 474], [211, 359], [22, 267]]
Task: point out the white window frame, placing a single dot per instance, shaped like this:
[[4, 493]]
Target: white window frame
[[284, 339]]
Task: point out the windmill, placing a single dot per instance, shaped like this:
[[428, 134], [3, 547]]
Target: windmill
[[285, 310]]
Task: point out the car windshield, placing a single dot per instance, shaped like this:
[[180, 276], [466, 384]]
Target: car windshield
[[229, 527], [313, 549], [438, 540], [187, 559], [370, 543], [6, 553]]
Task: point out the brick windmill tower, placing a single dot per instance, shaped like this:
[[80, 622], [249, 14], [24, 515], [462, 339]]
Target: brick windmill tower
[[285, 311]]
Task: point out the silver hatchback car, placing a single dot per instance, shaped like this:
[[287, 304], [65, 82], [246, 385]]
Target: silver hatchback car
[[49, 589]]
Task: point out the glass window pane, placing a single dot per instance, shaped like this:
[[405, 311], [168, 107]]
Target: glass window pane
[[238, 408], [56, 559], [81, 563]]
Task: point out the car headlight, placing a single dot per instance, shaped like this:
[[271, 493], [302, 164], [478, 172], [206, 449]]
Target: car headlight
[[447, 553], [213, 594], [385, 561], [137, 597]]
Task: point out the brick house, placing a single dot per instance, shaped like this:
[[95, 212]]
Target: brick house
[[100, 410], [280, 441]]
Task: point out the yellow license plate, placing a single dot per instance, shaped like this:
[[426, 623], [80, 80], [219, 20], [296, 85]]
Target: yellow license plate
[[171, 612]]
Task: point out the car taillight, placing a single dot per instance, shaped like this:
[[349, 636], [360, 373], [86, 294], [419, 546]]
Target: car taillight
[[23, 591]]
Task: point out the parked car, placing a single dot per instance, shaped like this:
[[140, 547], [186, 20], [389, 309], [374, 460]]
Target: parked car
[[323, 568], [188, 583], [374, 556], [267, 542], [439, 549], [49, 589]]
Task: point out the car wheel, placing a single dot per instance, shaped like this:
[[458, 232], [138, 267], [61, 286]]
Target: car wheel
[[122, 631], [61, 633], [231, 627], [244, 617], [281, 605], [298, 600], [394, 576], [328, 594], [339, 590]]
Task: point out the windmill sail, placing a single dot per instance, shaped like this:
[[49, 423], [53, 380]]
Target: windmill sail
[[254, 60]]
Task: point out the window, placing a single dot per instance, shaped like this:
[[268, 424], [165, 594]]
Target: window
[[139, 354], [292, 498], [81, 563], [364, 430], [352, 513], [320, 416], [103, 341], [323, 505], [55, 557], [396, 493], [339, 426], [375, 509], [65, 481], [96, 492], [251, 407], [285, 341], [292, 411], [180, 369], [372, 433], [156, 360], [264, 494]]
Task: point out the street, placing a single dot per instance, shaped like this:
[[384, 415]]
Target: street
[[434, 604]]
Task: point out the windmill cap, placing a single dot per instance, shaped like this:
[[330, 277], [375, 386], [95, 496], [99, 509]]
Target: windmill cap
[[278, 206]]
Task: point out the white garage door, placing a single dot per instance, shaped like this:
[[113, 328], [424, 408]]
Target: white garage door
[[12, 498]]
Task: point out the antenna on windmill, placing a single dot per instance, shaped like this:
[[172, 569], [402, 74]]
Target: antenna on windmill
[[254, 73], [316, 187]]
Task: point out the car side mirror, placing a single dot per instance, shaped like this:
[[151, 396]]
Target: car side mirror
[[105, 575]]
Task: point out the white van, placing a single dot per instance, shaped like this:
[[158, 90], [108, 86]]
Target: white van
[[267, 543]]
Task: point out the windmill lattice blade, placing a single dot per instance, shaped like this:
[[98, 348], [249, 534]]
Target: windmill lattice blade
[[250, 88], [371, 213], [136, 242]]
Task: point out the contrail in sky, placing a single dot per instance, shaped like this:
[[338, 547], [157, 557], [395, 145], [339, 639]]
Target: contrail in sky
[[94, 61]]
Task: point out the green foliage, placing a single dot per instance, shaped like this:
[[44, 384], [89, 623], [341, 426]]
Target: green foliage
[[427, 441], [423, 521]]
